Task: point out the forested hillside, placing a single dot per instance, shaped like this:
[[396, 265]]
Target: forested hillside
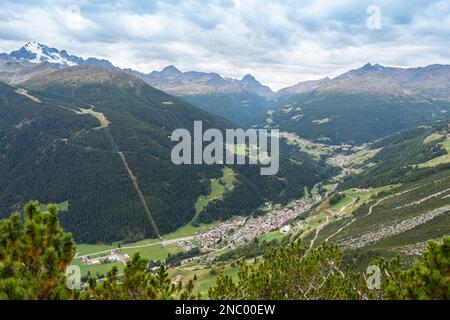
[[392, 202], [240, 107], [336, 118], [402, 157], [397, 221], [85, 132]]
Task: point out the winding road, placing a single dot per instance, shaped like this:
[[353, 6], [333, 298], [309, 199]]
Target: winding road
[[317, 234]]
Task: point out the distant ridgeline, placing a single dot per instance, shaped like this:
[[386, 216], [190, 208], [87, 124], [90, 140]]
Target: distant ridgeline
[[364, 104]]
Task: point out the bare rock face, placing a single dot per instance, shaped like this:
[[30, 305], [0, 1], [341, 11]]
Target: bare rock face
[[249, 83]]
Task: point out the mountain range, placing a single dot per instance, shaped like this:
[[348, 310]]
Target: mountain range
[[241, 100], [431, 81], [36, 52], [170, 79], [236, 100], [366, 104]]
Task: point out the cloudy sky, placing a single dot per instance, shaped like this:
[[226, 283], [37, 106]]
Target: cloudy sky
[[279, 42]]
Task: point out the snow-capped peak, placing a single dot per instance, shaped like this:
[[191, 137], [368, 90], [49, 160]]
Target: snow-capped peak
[[35, 52]]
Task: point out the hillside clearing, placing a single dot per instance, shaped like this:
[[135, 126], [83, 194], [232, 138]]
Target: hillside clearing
[[218, 188], [25, 93], [438, 160], [104, 122]]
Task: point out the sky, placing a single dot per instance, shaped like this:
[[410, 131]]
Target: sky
[[279, 42]]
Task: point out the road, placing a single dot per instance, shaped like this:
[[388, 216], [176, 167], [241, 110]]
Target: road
[[340, 229], [317, 234]]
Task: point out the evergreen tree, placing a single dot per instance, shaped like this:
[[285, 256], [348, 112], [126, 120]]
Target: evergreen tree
[[292, 273], [34, 255], [136, 283], [428, 278]]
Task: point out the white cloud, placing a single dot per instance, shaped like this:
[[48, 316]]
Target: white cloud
[[280, 42]]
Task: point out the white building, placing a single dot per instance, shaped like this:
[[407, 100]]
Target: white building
[[285, 229]]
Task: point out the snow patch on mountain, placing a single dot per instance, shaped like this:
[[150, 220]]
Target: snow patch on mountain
[[43, 53]]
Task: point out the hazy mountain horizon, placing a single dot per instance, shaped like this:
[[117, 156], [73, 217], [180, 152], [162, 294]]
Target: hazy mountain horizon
[[36, 52]]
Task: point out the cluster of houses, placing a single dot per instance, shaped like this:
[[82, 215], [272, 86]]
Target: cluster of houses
[[107, 257], [212, 237], [276, 220], [342, 160], [187, 245], [241, 230], [236, 231]]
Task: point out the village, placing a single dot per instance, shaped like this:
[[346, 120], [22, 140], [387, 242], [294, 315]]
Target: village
[[227, 234], [241, 230]]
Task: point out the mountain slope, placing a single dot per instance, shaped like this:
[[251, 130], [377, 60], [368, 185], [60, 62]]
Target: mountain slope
[[365, 104], [35, 52], [79, 160], [394, 201], [99, 139], [250, 84], [173, 81], [398, 221], [236, 100], [301, 88], [18, 71], [241, 108]]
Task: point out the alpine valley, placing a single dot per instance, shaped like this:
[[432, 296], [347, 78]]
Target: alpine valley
[[364, 163]]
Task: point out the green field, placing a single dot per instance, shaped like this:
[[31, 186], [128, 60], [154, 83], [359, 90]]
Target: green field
[[328, 187], [365, 195], [321, 121], [84, 249], [433, 137], [152, 250], [155, 252], [361, 156], [237, 149], [357, 197], [219, 187], [438, 160], [100, 269], [315, 221], [345, 201], [270, 236], [206, 277]]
